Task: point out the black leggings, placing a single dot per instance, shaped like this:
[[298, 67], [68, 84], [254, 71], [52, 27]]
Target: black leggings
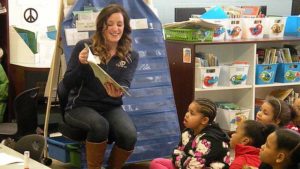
[[100, 126]]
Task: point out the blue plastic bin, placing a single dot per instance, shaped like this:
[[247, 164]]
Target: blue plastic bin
[[57, 148], [288, 72], [265, 73], [292, 26]]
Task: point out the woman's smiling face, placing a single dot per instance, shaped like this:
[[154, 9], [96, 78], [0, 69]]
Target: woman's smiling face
[[113, 30]]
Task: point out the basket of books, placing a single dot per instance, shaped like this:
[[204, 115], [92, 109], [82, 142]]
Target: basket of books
[[201, 34], [192, 30]]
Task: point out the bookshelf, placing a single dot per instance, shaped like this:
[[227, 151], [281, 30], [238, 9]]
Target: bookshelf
[[183, 74]]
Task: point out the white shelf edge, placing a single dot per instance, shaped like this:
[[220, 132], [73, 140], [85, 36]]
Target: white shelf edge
[[277, 84], [223, 88]]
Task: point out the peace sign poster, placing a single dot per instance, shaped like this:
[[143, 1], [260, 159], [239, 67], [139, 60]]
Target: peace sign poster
[[29, 21], [34, 15]]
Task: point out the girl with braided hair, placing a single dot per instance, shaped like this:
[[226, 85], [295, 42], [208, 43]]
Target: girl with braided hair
[[203, 144]]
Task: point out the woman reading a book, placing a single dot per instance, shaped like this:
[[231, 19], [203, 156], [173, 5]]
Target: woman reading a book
[[96, 107]]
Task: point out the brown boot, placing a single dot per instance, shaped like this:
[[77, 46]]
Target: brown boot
[[118, 157], [95, 154]]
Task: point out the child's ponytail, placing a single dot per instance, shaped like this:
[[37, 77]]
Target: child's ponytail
[[295, 155], [267, 130], [257, 131], [293, 112], [289, 140], [282, 111]]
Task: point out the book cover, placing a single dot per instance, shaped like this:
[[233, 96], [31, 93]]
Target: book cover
[[250, 11], [101, 74]]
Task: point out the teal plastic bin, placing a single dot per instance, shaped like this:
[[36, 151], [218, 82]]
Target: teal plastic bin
[[288, 72], [57, 148], [265, 73], [292, 26]]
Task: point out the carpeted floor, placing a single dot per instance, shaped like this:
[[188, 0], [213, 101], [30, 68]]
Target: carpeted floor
[[59, 165]]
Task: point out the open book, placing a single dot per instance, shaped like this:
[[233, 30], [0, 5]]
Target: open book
[[100, 73]]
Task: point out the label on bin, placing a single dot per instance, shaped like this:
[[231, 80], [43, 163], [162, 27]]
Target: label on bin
[[266, 76]]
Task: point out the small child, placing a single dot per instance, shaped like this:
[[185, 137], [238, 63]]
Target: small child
[[281, 150], [274, 111], [295, 123], [246, 142], [203, 144]]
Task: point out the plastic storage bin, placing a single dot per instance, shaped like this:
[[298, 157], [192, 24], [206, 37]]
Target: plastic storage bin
[[230, 119], [219, 33], [206, 77], [201, 34], [265, 73], [75, 155], [288, 72], [58, 150], [274, 27], [234, 75], [292, 27], [253, 28], [234, 29]]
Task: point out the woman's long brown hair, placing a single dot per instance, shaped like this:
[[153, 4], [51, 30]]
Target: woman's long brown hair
[[100, 47]]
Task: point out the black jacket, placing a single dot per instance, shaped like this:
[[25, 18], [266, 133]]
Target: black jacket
[[86, 90]]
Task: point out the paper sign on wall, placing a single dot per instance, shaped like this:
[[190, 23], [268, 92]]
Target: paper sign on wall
[[73, 36], [139, 23]]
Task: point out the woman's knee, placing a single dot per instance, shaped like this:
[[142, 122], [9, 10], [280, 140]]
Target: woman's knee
[[127, 140], [98, 131]]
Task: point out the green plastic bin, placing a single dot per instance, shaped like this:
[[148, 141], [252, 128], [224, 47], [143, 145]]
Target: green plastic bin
[[75, 153], [193, 35]]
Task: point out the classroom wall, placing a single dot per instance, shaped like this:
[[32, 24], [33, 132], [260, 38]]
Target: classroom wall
[[47, 14], [166, 7]]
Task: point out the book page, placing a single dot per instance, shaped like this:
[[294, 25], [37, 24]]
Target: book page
[[6, 159], [100, 73]]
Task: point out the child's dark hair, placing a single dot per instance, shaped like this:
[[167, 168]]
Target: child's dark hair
[[282, 111], [207, 107], [257, 131], [289, 140]]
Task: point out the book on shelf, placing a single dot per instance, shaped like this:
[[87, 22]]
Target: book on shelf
[[281, 94], [287, 55], [273, 57], [101, 74], [250, 11]]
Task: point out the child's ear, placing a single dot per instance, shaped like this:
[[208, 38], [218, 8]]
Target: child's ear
[[280, 157], [246, 141], [204, 120]]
